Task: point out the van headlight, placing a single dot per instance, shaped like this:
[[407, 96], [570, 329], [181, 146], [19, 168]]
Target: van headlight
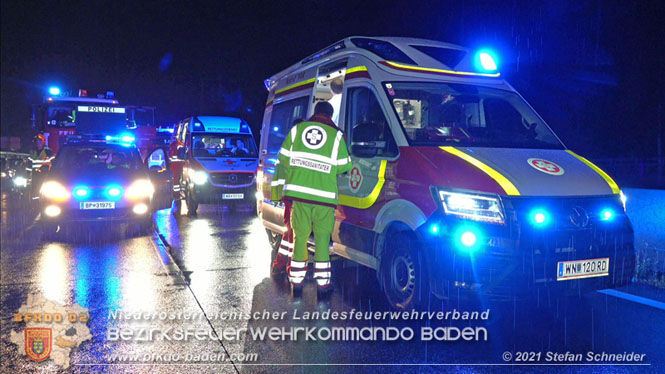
[[141, 188], [471, 206], [200, 177]]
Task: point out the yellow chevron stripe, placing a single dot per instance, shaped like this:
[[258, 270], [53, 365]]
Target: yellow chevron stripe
[[368, 201], [608, 179], [498, 177]]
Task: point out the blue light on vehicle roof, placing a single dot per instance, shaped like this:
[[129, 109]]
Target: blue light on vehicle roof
[[54, 91], [486, 61]]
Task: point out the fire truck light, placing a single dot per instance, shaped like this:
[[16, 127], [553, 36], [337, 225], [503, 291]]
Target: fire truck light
[[54, 91]]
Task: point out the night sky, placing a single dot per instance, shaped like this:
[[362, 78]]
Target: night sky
[[594, 70]]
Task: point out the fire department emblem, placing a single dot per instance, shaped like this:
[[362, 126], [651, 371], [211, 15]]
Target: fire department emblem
[[38, 343], [314, 137], [356, 179], [547, 167]]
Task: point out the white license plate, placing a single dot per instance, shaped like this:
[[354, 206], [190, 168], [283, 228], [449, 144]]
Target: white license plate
[[98, 205], [596, 267], [233, 196]]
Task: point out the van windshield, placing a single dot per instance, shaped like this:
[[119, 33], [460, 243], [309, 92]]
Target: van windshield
[[438, 114], [222, 145]]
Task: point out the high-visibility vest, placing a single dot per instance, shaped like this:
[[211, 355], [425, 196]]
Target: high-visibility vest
[[311, 157]]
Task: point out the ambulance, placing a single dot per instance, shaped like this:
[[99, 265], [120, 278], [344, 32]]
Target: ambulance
[[457, 186], [213, 160]]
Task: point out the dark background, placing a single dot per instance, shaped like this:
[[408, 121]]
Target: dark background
[[595, 70]]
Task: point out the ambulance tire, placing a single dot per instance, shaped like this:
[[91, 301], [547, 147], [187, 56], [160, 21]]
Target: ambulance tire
[[192, 205], [403, 273]]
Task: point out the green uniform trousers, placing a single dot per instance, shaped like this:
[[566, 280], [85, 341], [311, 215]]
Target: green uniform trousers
[[306, 218]]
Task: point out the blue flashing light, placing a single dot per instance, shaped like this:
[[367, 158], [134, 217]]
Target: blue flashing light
[[434, 229], [539, 217], [275, 129], [467, 238], [607, 214], [113, 192], [81, 192], [55, 91], [486, 61]]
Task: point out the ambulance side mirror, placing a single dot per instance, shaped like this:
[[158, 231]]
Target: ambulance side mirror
[[367, 149]]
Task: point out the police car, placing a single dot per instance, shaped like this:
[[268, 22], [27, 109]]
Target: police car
[[99, 179], [457, 183], [213, 160]]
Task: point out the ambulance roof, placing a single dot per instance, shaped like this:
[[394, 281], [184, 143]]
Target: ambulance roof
[[220, 124], [406, 52]]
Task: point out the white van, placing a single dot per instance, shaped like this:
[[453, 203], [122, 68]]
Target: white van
[[457, 183]]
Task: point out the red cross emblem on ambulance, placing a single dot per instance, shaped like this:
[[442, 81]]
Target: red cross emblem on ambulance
[[547, 167], [356, 179]]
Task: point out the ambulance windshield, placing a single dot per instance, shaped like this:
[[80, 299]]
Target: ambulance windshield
[[440, 114], [222, 145]]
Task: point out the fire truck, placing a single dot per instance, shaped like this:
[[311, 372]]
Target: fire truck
[[62, 114]]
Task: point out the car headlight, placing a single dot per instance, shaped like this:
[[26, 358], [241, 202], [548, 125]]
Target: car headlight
[[471, 206], [140, 189], [20, 181], [200, 177], [54, 191]]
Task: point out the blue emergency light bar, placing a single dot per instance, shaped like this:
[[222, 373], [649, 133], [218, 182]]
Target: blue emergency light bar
[[55, 91], [486, 61]]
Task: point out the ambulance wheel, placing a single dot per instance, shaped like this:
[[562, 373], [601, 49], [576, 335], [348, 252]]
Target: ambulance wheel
[[403, 274], [192, 205]]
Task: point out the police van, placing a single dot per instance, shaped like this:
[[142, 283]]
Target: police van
[[213, 160], [457, 183]]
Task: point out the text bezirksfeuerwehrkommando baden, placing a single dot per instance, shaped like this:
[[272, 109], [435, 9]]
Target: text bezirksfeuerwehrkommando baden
[[297, 315]]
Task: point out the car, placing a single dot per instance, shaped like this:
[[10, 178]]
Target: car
[[213, 161], [101, 179], [458, 186]]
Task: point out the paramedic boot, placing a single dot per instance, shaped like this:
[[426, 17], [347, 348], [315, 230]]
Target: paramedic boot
[[284, 254], [297, 271], [322, 275]]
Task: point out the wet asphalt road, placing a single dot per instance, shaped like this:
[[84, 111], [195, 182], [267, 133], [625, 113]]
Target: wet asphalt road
[[220, 262]]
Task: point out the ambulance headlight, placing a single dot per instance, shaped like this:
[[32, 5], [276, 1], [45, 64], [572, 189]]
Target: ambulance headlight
[[54, 191], [471, 206], [200, 177], [141, 188]]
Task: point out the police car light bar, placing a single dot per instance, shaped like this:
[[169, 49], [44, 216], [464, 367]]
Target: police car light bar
[[55, 91]]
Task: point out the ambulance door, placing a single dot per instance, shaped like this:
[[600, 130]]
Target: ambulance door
[[284, 115], [371, 144]]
